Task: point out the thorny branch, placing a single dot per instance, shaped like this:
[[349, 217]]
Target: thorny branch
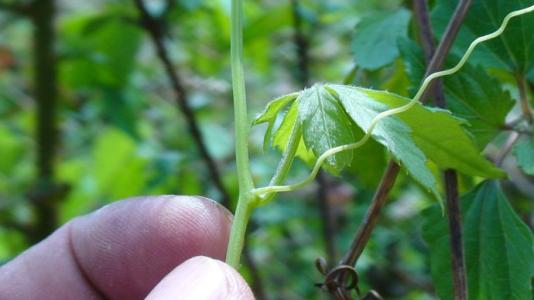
[[155, 28], [392, 170]]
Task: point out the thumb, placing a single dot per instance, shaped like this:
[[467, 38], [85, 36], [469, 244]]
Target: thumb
[[202, 278]]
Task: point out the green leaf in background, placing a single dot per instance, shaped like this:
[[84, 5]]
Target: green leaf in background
[[470, 94], [114, 171], [118, 169], [325, 125], [11, 150], [524, 154], [267, 23], [375, 38], [514, 49], [499, 247], [391, 132], [102, 51]]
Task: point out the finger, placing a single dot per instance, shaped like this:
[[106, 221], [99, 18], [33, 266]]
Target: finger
[[202, 278], [120, 251]]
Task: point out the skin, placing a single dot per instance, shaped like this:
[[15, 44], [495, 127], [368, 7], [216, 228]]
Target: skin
[[166, 247]]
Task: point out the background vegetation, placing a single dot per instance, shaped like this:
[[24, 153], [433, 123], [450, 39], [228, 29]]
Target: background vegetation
[[91, 114]]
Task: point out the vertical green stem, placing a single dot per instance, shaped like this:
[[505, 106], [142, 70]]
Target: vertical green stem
[[240, 102], [245, 201]]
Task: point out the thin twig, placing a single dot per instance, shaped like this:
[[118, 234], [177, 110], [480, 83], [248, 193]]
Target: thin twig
[[303, 74], [507, 127], [459, 279], [422, 19], [446, 41], [302, 45], [392, 170], [327, 218], [371, 217], [154, 27], [523, 98], [512, 139], [16, 8]]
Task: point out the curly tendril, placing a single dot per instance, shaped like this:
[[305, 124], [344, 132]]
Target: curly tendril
[[264, 192]]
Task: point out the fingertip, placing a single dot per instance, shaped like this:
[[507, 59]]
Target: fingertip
[[202, 278]]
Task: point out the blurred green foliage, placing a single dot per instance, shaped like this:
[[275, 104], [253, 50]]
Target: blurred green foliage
[[122, 135]]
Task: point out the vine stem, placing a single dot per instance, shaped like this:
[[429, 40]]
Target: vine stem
[[246, 198], [248, 195], [264, 191]]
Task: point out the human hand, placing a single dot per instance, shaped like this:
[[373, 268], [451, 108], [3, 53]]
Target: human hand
[[153, 247]]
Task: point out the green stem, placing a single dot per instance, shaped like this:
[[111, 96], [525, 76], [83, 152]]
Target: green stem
[[242, 127], [239, 229], [285, 163]]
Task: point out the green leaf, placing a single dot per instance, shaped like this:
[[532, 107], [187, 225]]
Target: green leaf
[[101, 52], [440, 136], [375, 38], [11, 150], [118, 170], [325, 125], [499, 247], [514, 49], [470, 94], [273, 108], [524, 153], [270, 112], [282, 134], [391, 132]]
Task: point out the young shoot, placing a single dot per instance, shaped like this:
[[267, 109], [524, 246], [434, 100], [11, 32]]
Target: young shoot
[[336, 96]]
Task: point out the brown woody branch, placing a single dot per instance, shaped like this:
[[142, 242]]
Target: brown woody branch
[[450, 177], [47, 194]]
